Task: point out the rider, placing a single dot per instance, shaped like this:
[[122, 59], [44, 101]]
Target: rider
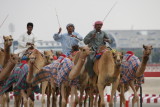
[[27, 40], [69, 39], [94, 39]]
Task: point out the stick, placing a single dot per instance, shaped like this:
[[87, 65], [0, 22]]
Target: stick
[[4, 21], [57, 18], [110, 11]]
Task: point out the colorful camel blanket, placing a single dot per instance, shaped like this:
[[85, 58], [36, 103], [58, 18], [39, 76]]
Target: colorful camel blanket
[[59, 70], [17, 79], [129, 67]]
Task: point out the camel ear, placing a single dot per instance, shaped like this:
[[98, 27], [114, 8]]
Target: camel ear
[[144, 46], [10, 36], [3, 37], [151, 47]]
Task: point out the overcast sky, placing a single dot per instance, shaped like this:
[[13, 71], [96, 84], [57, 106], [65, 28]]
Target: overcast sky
[[127, 14]]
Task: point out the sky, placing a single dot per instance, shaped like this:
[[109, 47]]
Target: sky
[[126, 15]]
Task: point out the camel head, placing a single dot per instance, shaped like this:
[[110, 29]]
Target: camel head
[[118, 56], [8, 41], [85, 51], [147, 50], [14, 58], [48, 56]]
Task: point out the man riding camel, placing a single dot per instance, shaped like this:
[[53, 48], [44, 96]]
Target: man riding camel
[[94, 39], [69, 39], [26, 41]]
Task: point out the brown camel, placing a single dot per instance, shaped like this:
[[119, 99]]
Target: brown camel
[[14, 59], [140, 71], [48, 57], [36, 62], [107, 68], [7, 44], [84, 52], [83, 77]]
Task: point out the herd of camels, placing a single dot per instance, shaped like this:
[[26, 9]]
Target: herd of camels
[[107, 72]]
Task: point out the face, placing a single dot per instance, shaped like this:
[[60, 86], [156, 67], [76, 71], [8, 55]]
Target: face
[[29, 28], [98, 26], [70, 28], [147, 50]]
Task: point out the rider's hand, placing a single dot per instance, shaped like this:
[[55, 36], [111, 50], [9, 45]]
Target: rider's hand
[[107, 40], [74, 36], [94, 35], [60, 29]]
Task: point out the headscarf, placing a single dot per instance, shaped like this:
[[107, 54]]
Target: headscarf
[[131, 54], [98, 22]]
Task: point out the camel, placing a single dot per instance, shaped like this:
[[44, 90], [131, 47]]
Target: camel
[[138, 75], [14, 59], [107, 69], [36, 62], [84, 52], [7, 44]]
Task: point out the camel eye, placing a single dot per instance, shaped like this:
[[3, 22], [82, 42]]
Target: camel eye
[[83, 50]]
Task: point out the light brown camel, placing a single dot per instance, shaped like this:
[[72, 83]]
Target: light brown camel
[[84, 52], [7, 44], [48, 57], [36, 62], [83, 78], [108, 70], [140, 71], [14, 59]]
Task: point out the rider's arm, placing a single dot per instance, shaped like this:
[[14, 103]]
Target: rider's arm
[[107, 39]]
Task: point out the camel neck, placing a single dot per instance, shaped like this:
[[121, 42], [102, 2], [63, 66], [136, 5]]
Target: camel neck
[[145, 59], [6, 55], [7, 69], [116, 70]]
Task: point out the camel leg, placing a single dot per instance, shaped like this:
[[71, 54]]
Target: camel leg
[[114, 88], [17, 100], [81, 96], [25, 98], [95, 100], [54, 98], [91, 96], [3, 100], [135, 98], [44, 86], [73, 96], [101, 93], [31, 103], [7, 99], [122, 97], [63, 93], [76, 96], [85, 99]]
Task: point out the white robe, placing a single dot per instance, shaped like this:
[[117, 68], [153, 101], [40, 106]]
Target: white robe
[[23, 39]]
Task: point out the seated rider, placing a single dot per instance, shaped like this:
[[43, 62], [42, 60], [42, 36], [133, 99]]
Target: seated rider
[[69, 39], [95, 39], [26, 41]]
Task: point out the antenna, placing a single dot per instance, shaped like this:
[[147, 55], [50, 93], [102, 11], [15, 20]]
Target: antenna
[[4, 21]]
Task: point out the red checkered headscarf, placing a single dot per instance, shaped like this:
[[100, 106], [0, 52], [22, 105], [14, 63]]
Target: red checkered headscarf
[[98, 22]]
